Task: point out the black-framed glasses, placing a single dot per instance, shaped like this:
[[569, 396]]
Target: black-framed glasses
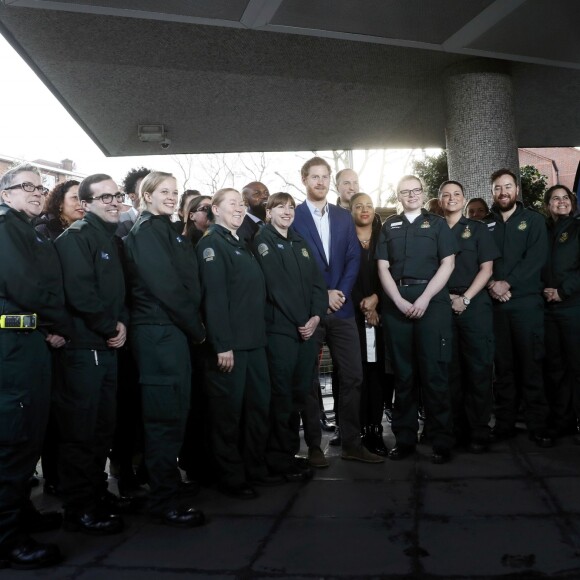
[[408, 192], [204, 209], [29, 187], [108, 197]]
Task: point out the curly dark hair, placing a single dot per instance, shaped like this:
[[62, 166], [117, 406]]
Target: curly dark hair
[[132, 177], [55, 197]]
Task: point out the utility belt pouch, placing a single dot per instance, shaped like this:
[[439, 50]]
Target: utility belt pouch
[[18, 321]]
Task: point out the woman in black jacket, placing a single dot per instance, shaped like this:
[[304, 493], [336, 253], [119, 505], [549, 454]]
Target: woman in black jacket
[[561, 277]]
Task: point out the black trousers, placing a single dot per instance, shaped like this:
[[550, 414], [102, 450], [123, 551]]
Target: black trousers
[[24, 405], [85, 406]]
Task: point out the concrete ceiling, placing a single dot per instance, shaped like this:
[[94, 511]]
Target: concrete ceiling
[[277, 75]]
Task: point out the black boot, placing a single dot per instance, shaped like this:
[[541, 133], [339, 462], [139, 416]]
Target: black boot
[[378, 441], [366, 437]]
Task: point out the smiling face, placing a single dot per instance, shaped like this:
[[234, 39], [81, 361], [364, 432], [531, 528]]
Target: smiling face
[[317, 182], [451, 198], [476, 210], [560, 204], [281, 216], [230, 210], [108, 212], [363, 211], [71, 209], [505, 192], [163, 199], [31, 203], [199, 216], [347, 185], [410, 195]]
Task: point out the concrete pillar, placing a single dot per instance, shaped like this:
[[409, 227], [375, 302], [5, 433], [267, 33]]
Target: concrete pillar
[[480, 126]]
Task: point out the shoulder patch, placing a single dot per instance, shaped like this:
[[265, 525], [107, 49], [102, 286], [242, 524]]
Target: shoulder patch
[[208, 254], [305, 253], [263, 249]]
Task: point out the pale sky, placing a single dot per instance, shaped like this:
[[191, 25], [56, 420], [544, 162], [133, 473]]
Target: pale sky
[[34, 125]]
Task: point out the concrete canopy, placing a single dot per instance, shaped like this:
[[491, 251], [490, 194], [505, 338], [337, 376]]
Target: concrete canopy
[[281, 75]]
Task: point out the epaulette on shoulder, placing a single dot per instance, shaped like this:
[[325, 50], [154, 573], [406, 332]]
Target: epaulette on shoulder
[[435, 215], [393, 217], [207, 233], [77, 226]]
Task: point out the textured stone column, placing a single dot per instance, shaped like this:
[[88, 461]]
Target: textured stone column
[[480, 126]]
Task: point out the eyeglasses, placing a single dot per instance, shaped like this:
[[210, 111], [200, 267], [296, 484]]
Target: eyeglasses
[[204, 209], [29, 187], [408, 192], [108, 197]]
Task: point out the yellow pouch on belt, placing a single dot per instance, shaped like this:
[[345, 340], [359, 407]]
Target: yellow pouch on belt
[[18, 321]]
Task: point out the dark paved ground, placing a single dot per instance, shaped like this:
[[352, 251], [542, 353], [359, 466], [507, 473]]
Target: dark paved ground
[[512, 513]]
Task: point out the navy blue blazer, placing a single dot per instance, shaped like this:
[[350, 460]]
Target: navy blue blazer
[[344, 251]]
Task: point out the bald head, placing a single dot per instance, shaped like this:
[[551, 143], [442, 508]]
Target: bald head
[[346, 185], [256, 195]]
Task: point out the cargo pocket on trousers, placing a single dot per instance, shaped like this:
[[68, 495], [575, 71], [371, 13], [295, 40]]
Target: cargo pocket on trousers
[[14, 417], [160, 402], [539, 349], [445, 351]]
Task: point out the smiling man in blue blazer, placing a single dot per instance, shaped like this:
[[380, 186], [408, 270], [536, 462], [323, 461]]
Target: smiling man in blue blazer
[[331, 235]]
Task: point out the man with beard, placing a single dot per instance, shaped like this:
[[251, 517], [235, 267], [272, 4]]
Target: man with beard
[[516, 290], [255, 195]]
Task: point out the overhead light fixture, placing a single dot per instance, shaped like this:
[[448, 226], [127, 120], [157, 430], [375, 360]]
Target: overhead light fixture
[[151, 133]]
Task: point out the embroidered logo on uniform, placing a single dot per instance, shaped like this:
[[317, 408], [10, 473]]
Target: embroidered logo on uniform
[[491, 226], [105, 256], [208, 254], [238, 252], [396, 224], [563, 237], [466, 233], [305, 253], [263, 249], [39, 240], [179, 239], [523, 225], [281, 246], [425, 224]]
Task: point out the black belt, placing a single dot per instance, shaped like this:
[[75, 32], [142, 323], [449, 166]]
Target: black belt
[[458, 290], [411, 281]]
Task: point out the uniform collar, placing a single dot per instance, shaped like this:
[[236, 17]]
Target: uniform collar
[[96, 221]]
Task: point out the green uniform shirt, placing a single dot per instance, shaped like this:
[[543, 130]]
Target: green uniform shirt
[[562, 270], [523, 244], [415, 250], [295, 287], [94, 285], [476, 245], [163, 276], [234, 293], [30, 276]]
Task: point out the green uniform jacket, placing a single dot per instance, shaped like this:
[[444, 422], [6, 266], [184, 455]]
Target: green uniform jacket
[[523, 243], [295, 287], [30, 276], [562, 270], [476, 245], [94, 285], [415, 250], [163, 276], [234, 293]]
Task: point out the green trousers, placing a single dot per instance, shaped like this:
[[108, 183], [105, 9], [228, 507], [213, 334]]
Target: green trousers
[[85, 404], [421, 349], [471, 368], [239, 403], [519, 354], [291, 362], [24, 406], [162, 355]]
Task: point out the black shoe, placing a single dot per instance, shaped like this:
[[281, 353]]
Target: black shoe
[[34, 521], [243, 491], [325, 425], [373, 440], [541, 439], [336, 439], [440, 455], [130, 487], [401, 451], [93, 523], [29, 554], [182, 517], [294, 474], [113, 504], [270, 480], [189, 488], [51, 489], [301, 462], [477, 447]]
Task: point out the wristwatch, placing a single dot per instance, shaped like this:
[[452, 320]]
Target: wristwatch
[[466, 300]]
